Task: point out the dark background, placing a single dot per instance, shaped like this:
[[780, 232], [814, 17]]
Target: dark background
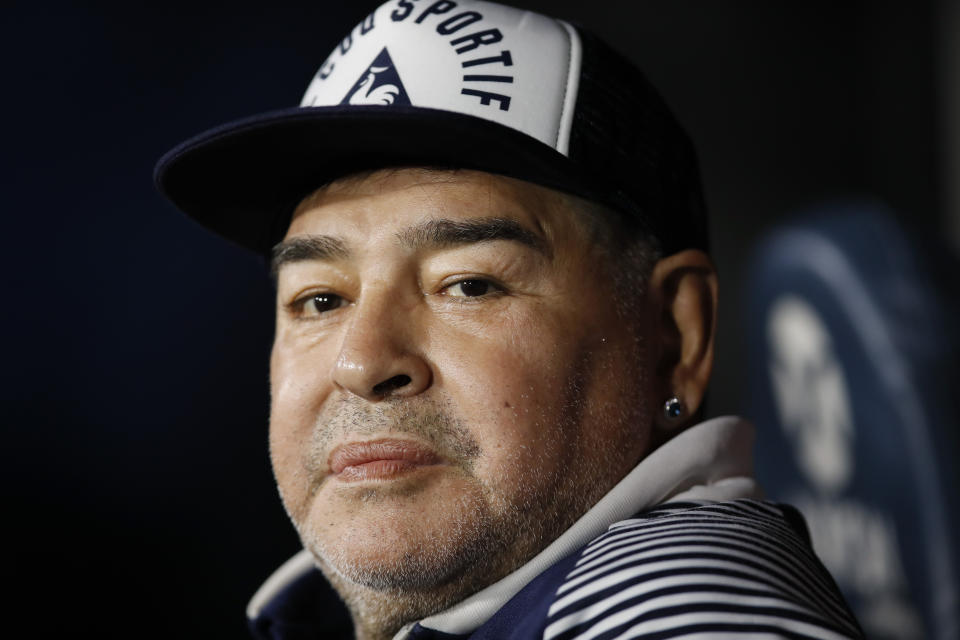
[[135, 458]]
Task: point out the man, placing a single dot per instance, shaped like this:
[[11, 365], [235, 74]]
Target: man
[[495, 324]]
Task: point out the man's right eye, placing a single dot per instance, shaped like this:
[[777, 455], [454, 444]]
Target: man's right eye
[[317, 304]]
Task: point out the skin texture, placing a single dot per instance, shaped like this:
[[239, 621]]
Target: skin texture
[[505, 364]]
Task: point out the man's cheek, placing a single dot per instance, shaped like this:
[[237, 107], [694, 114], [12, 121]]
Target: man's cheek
[[291, 427], [293, 490], [299, 388]]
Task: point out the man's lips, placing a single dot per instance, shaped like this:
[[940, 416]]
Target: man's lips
[[379, 460]]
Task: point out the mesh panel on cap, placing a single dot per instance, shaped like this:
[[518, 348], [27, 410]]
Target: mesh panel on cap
[[625, 136]]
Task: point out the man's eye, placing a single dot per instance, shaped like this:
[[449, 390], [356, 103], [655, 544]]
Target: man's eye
[[469, 289], [318, 303]]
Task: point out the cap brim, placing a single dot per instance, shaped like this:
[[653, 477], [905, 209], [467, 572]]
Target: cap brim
[[243, 179]]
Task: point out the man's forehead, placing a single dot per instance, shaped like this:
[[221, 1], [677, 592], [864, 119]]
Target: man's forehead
[[402, 197], [379, 181]]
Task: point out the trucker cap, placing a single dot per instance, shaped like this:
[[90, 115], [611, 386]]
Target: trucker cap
[[453, 84]]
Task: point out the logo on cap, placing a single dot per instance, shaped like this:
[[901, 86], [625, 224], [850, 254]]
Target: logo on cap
[[379, 84]]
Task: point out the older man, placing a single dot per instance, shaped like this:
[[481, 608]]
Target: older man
[[495, 324]]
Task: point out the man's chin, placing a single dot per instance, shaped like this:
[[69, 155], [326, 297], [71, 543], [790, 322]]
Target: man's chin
[[403, 536], [388, 558]]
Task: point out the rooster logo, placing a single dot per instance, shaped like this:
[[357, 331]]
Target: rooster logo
[[379, 84]]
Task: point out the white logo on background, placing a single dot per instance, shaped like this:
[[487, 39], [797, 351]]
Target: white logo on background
[[811, 394]]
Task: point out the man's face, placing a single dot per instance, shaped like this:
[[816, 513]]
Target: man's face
[[452, 384]]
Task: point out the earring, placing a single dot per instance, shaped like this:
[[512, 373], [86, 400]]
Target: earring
[[673, 408]]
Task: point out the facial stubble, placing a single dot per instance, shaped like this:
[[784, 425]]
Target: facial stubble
[[499, 531], [464, 543], [431, 562]]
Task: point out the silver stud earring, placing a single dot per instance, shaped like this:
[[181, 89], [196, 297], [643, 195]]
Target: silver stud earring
[[673, 408]]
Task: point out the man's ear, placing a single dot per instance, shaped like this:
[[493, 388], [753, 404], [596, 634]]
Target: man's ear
[[683, 288]]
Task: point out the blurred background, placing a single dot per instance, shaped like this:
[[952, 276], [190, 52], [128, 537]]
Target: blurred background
[[135, 465]]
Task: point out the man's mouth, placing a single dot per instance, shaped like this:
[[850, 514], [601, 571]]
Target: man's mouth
[[379, 459]]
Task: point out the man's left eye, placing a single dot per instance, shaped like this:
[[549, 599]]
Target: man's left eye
[[472, 288]]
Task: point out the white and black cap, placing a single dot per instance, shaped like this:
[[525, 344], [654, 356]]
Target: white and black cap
[[452, 83]]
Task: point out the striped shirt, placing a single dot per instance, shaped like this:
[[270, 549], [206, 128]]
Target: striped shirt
[[698, 570]]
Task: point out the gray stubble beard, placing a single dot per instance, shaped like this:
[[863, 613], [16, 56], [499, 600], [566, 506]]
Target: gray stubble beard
[[502, 535]]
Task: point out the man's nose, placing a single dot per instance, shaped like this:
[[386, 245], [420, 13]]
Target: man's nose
[[378, 358]]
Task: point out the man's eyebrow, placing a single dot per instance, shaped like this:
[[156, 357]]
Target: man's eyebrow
[[441, 233], [303, 248], [433, 234]]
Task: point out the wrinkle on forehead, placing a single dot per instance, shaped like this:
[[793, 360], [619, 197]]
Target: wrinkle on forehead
[[558, 218]]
